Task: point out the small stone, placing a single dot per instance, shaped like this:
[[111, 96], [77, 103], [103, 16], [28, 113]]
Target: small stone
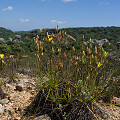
[[29, 88], [2, 94], [1, 109], [9, 86], [43, 117], [32, 92], [116, 101], [105, 116], [4, 101], [19, 87], [7, 111], [21, 81], [19, 109], [17, 118]]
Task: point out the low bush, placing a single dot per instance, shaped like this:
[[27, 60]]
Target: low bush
[[70, 82]]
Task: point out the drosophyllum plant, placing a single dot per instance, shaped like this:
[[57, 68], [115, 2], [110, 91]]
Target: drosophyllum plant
[[67, 75], [8, 66]]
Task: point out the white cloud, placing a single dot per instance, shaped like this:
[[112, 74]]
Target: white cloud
[[104, 3], [8, 8], [57, 22], [24, 20], [61, 22], [66, 1], [53, 21]]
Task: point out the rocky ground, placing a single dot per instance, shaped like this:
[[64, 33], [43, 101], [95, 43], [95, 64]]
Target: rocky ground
[[16, 95]]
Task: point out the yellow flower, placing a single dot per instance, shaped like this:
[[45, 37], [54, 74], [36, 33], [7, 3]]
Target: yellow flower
[[50, 39], [99, 64], [2, 56], [105, 54], [48, 35]]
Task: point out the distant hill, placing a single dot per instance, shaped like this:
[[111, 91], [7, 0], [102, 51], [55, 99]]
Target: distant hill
[[6, 34], [30, 31], [110, 33]]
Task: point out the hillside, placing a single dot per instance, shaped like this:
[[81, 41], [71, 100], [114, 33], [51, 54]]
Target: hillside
[[4, 33], [112, 34]]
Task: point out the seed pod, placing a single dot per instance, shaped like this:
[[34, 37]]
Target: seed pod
[[100, 55], [56, 28], [36, 41], [34, 38], [42, 54], [37, 46], [87, 48], [45, 38], [83, 53], [82, 47], [60, 33], [96, 52], [37, 36], [59, 50], [40, 30], [95, 58], [44, 28], [40, 43], [41, 48], [103, 61], [84, 42], [52, 42], [95, 49], [92, 56], [76, 63], [102, 49], [73, 49], [65, 33], [91, 46], [79, 58], [89, 51], [90, 40], [65, 54], [53, 50], [90, 62]]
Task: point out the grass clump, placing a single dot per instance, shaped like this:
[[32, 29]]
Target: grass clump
[[70, 82]]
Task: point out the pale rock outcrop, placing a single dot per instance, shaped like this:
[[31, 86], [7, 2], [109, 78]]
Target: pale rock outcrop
[[98, 42], [2, 39]]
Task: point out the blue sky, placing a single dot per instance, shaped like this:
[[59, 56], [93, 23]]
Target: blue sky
[[20, 15]]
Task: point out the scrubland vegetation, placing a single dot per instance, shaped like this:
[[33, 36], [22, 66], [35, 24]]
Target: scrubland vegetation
[[72, 75]]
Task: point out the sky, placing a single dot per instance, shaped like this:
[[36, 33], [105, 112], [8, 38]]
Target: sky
[[23, 15]]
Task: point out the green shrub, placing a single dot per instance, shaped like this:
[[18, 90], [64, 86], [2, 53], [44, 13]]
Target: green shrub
[[69, 75]]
